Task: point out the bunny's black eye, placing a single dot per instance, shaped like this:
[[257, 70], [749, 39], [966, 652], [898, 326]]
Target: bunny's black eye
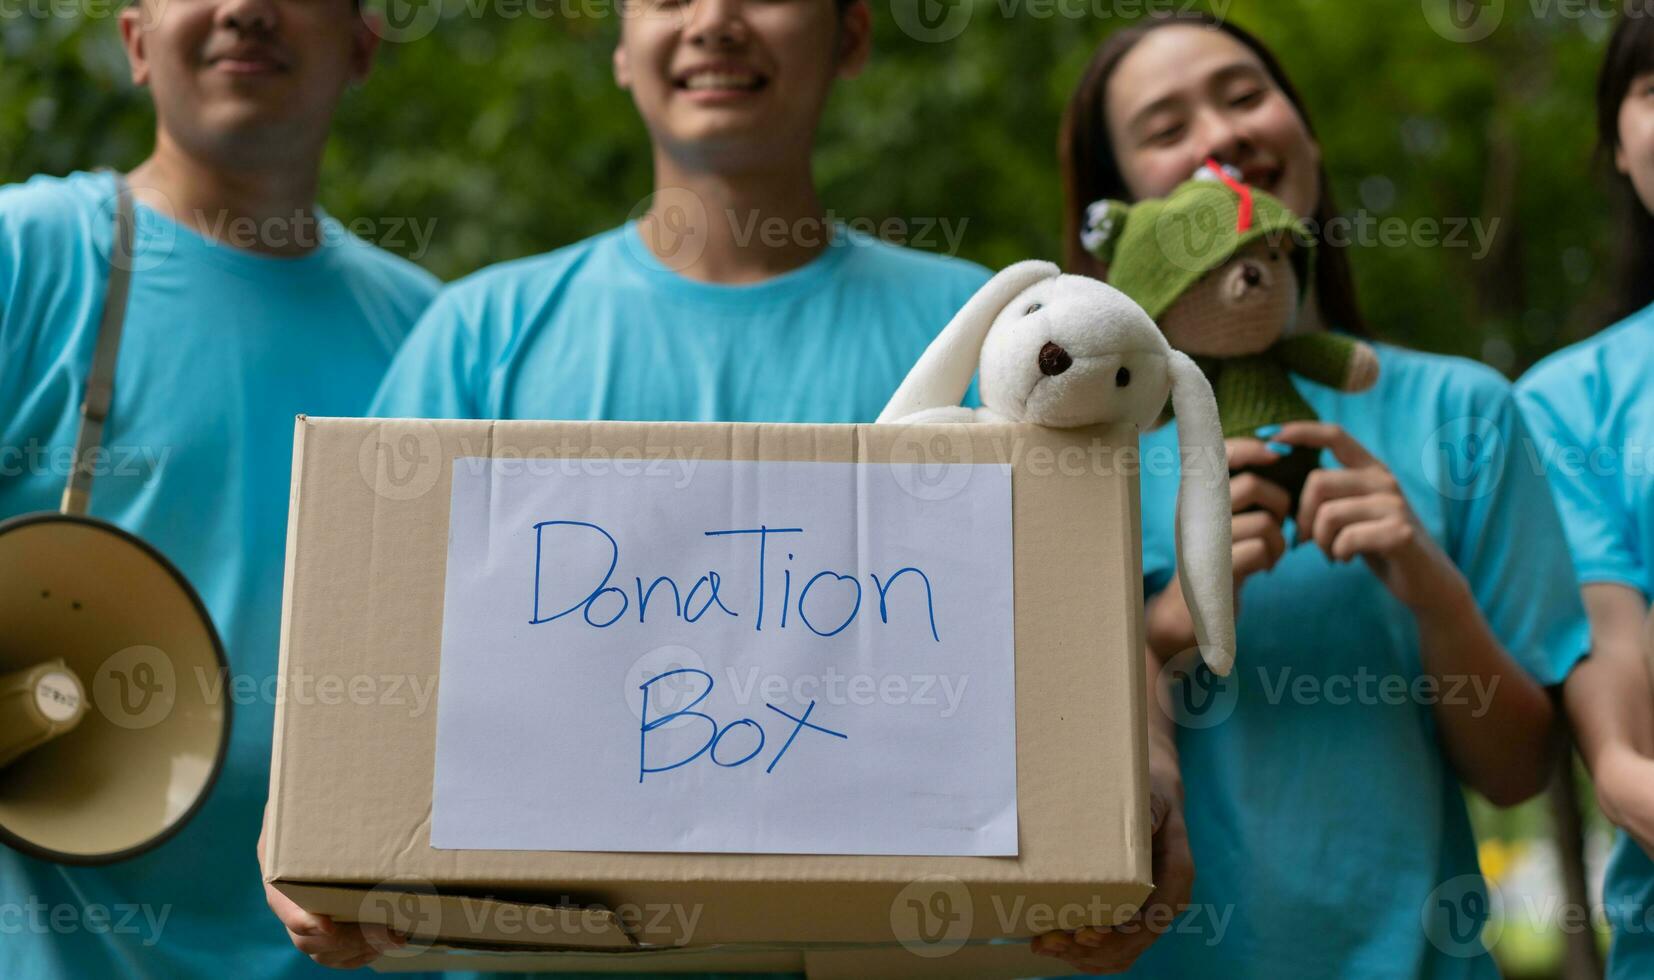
[[1122, 377], [1032, 308]]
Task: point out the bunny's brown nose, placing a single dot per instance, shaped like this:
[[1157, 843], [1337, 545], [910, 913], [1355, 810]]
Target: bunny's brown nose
[[1053, 360]]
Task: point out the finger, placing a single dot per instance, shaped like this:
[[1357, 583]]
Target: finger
[[1259, 526], [330, 948], [1374, 538], [1336, 515], [1119, 951], [381, 938], [347, 943], [1325, 435], [1324, 485], [1053, 943], [297, 920], [1249, 491], [1250, 558], [1245, 452]]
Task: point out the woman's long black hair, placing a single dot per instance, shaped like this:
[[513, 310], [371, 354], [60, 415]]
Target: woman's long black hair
[[1630, 54]]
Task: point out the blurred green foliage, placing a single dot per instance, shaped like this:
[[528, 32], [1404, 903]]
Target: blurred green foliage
[[509, 131]]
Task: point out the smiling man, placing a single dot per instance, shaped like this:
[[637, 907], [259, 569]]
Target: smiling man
[[733, 298], [248, 304]]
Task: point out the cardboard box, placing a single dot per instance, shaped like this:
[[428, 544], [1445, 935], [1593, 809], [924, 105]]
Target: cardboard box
[[352, 771]]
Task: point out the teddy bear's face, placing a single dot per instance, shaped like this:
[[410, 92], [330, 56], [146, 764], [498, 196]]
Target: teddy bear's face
[[1242, 307]]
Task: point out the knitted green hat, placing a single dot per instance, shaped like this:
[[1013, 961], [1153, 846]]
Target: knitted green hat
[[1156, 249]]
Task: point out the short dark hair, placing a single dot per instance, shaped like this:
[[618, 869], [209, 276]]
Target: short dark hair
[[1091, 170], [1630, 53]]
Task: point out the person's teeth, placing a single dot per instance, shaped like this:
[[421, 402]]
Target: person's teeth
[[710, 80]]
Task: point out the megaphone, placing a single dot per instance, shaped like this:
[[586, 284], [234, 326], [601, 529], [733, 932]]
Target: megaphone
[[113, 720]]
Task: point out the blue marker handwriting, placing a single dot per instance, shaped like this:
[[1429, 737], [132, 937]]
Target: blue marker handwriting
[[716, 733], [604, 605]]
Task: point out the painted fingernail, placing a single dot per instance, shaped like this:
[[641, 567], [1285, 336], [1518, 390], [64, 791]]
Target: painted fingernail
[[1278, 448], [1267, 431]]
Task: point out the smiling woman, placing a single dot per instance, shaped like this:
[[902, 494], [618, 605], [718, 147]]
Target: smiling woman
[[1157, 116]]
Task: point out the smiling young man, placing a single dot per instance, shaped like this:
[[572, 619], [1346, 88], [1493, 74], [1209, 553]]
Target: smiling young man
[[734, 297], [248, 304]]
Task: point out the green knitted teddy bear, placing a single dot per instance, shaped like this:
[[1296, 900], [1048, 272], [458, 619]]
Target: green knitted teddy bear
[[1221, 268]]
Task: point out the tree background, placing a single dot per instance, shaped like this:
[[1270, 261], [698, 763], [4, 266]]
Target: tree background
[[503, 124], [500, 120]]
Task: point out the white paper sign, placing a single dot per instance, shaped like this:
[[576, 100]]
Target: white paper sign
[[772, 657]]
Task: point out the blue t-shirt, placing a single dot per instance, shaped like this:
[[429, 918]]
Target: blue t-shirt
[[1591, 409], [602, 330], [221, 349], [1329, 833]]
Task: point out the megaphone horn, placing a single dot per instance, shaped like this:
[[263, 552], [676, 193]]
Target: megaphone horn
[[92, 617]]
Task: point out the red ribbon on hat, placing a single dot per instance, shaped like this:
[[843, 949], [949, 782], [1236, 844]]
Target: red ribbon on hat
[[1243, 220]]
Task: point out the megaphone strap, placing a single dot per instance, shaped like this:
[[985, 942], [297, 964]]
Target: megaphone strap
[[100, 379]]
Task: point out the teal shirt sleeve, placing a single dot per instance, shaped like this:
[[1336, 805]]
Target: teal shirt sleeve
[[436, 372], [1563, 417], [1509, 543]]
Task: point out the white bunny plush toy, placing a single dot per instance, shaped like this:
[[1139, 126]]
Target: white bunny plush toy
[[1067, 351]]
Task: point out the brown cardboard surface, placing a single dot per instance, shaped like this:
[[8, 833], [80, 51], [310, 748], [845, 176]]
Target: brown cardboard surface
[[351, 776]]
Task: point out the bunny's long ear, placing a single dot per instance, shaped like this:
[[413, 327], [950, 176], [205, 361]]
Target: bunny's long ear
[[945, 369], [1203, 515]]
